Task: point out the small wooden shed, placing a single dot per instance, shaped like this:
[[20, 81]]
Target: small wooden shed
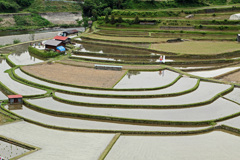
[[53, 44], [15, 99]]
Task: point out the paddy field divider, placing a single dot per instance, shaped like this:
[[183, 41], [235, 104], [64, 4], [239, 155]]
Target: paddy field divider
[[128, 132], [109, 146], [88, 87], [117, 119], [145, 106]]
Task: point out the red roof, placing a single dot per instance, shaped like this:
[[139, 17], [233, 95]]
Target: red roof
[[14, 96], [60, 38]]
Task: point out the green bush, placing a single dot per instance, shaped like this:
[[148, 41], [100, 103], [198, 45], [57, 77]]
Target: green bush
[[235, 1], [30, 20], [8, 6], [16, 41], [41, 53]]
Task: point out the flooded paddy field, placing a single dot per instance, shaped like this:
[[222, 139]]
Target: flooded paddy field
[[181, 85], [16, 86], [56, 144], [234, 95], [217, 109], [234, 122], [8, 150], [79, 145], [25, 58], [138, 79], [2, 96], [99, 48], [215, 145], [96, 58], [213, 73], [196, 96], [92, 125]]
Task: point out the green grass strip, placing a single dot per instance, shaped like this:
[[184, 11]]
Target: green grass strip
[[86, 87], [109, 147], [145, 106], [10, 63], [11, 74], [116, 119], [207, 130]]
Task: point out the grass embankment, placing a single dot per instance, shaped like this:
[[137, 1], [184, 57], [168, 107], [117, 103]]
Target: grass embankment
[[52, 6], [198, 47]]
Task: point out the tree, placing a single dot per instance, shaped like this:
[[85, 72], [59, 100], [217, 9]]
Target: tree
[[136, 20], [106, 18], [112, 19], [24, 3], [187, 1], [120, 19]]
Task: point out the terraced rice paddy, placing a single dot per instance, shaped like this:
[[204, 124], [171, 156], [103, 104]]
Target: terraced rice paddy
[[206, 146], [8, 150], [2, 96], [16, 86], [125, 111], [23, 59], [201, 113]]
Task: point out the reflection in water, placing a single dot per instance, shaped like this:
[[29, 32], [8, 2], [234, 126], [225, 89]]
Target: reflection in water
[[130, 73], [23, 58], [15, 107], [145, 79]]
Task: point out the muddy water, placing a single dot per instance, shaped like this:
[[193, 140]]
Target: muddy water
[[213, 73], [211, 146], [219, 108], [15, 86], [204, 92], [9, 151], [137, 79], [86, 124], [181, 85]]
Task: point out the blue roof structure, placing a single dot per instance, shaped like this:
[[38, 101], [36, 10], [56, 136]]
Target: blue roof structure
[[61, 49]]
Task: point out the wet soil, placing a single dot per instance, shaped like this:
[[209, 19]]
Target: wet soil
[[76, 75], [234, 77]]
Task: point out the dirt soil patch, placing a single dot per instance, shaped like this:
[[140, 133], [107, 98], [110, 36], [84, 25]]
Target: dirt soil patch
[[81, 76], [234, 77]]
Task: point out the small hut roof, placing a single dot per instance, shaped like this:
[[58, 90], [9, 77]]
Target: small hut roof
[[15, 96], [52, 42], [61, 38]]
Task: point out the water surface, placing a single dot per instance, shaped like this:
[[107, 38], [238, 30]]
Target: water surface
[[205, 91], [8, 150], [181, 85], [87, 124], [217, 109], [14, 85], [140, 79], [211, 146]]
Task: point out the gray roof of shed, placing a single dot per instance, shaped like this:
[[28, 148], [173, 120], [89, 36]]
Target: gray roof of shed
[[52, 42]]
